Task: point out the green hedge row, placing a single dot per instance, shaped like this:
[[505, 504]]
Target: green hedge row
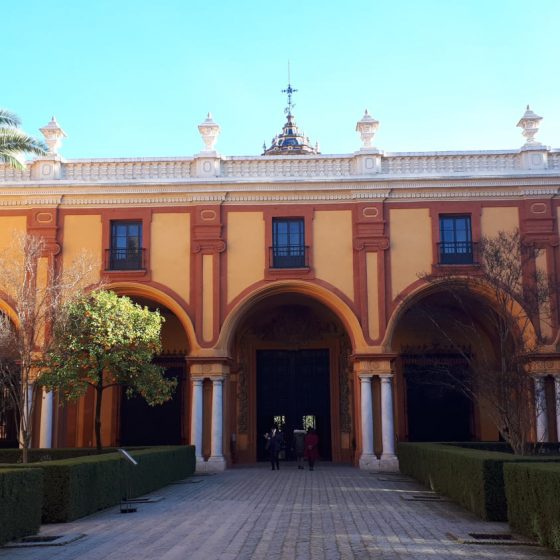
[[83, 485], [533, 501], [471, 477], [13, 456], [21, 492]]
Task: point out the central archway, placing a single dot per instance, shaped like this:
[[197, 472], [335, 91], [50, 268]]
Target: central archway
[[291, 367]]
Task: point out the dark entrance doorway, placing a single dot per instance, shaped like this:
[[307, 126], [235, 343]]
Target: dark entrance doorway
[[142, 424], [436, 410], [293, 384]]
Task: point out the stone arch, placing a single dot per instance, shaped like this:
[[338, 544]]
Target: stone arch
[[149, 292], [9, 311], [344, 313], [422, 290]]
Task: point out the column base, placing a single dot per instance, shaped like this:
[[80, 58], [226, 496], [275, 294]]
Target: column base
[[389, 463], [368, 462], [200, 466], [214, 464]]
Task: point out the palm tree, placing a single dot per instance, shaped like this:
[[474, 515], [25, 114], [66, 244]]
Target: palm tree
[[14, 143]]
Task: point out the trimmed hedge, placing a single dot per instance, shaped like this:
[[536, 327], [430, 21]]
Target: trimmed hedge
[[533, 501], [83, 485], [13, 456], [21, 495], [471, 477]]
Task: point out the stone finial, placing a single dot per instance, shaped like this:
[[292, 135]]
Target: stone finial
[[367, 127], [529, 122], [53, 135], [209, 131]]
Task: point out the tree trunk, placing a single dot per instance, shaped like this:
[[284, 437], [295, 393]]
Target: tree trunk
[[99, 395]]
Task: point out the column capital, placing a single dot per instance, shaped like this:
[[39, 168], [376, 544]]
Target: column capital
[[209, 369], [197, 380], [365, 376], [386, 377], [374, 365]]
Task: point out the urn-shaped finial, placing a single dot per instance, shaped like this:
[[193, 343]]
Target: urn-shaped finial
[[53, 135], [367, 127], [209, 131], [529, 122]]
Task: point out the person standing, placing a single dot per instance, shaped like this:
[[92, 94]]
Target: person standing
[[311, 447], [299, 447], [273, 446]]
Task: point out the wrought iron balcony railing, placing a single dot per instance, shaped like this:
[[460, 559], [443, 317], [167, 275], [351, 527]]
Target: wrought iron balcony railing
[[125, 259], [458, 252], [291, 256]]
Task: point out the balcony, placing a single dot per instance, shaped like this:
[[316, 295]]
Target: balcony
[[458, 252], [291, 256], [125, 259]]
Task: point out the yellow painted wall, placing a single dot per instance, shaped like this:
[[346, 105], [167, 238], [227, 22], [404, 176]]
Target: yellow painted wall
[[10, 226], [41, 285], [170, 252], [372, 295], [544, 308], [494, 220], [83, 233], [411, 246], [332, 249], [245, 251], [207, 297]]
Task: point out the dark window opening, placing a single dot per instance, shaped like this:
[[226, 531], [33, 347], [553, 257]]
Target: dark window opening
[[288, 243], [126, 252], [456, 246]]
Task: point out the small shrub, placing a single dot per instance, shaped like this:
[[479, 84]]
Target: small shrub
[[533, 503], [21, 495]]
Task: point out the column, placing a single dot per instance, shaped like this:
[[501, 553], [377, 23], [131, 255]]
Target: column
[[387, 418], [367, 460], [540, 410], [557, 401], [196, 418], [217, 461], [45, 436]]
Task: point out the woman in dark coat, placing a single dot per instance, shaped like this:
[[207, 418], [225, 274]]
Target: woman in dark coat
[[311, 448]]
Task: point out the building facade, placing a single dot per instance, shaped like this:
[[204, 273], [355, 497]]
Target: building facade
[[289, 283]]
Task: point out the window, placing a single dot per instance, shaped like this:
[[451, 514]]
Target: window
[[126, 252], [456, 246], [288, 243]]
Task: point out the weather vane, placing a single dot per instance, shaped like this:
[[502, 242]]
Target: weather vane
[[290, 91]]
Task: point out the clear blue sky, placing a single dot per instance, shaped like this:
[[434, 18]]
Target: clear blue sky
[[133, 78]]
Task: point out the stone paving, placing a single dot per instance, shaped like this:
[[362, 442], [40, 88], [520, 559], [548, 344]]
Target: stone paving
[[334, 512]]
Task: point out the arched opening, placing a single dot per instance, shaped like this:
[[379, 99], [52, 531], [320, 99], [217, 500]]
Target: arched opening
[[10, 380], [437, 345], [165, 424], [290, 367]]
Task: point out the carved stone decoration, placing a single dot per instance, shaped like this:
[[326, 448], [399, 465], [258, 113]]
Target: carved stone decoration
[[294, 324], [367, 127], [53, 135], [529, 122], [344, 386], [209, 131]]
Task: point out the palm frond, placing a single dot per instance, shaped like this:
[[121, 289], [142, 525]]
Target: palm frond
[[7, 118], [14, 161], [13, 140]]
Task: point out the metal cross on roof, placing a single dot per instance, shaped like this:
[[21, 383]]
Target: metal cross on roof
[[290, 91]]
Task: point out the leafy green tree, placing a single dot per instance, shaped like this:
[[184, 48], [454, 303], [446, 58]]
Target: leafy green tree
[[104, 340], [14, 143]]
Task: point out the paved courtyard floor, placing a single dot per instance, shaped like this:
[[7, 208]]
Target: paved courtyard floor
[[334, 512]]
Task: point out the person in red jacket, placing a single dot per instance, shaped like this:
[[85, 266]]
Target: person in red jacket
[[311, 452]]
